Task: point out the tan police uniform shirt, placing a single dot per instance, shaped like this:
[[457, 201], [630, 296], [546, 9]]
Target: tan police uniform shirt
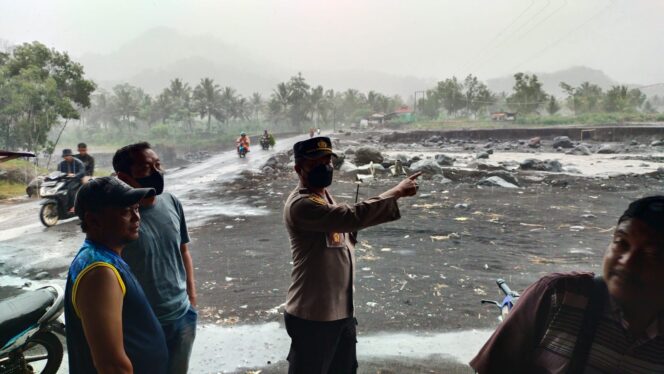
[[323, 255]]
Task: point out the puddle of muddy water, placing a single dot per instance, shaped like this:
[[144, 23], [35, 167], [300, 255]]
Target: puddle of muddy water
[[227, 349]]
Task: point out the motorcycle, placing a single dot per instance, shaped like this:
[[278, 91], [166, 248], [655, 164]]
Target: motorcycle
[[242, 151], [28, 323], [265, 143], [508, 302], [56, 203]]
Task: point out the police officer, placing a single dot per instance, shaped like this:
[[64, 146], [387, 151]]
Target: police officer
[[319, 310]]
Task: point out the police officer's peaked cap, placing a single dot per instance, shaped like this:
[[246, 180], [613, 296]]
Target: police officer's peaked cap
[[313, 148]]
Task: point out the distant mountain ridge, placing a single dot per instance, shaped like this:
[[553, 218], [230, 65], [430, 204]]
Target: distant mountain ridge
[[159, 55]]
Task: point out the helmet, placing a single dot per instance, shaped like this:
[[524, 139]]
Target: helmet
[[243, 133]]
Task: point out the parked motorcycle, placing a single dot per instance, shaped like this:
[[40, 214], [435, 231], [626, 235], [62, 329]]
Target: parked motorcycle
[[508, 302], [242, 151], [56, 204], [28, 323]]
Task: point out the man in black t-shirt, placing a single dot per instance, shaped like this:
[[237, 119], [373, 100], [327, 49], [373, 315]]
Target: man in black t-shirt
[[87, 160]]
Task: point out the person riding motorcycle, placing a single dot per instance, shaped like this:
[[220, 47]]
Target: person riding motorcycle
[[74, 168], [243, 140]]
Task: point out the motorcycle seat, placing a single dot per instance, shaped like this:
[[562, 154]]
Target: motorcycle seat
[[20, 312]]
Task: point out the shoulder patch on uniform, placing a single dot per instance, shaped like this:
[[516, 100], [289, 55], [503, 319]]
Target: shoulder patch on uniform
[[317, 199]]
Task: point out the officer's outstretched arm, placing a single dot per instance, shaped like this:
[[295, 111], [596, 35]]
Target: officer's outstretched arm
[[313, 214]]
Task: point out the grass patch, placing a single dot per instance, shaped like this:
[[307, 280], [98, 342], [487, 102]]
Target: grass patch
[[10, 189]]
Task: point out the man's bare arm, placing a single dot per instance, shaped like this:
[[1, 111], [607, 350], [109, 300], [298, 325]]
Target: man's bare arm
[[99, 301], [189, 269]]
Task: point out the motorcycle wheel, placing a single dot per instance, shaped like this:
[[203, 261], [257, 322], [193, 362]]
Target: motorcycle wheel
[[43, 353], [48, 215]]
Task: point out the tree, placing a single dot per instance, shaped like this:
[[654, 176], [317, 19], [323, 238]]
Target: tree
[[477, 94], [39, 87], [207, 101], [180, 96], [552, 107], [622, 99], [126, 104], [256, 105], [450, 94], [528, 95], [587, 98], [279, 101], [298, 101], [429, 105]]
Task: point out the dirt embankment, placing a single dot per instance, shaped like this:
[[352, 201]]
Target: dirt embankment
[[603, 133]]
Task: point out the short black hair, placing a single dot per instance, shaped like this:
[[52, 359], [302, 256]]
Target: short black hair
[[649, 209], [123, 157], [82, 145]]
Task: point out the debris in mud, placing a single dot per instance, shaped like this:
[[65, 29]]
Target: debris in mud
[[535, 142]]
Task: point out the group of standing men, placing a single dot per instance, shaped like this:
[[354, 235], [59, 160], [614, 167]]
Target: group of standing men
[[130, 294]]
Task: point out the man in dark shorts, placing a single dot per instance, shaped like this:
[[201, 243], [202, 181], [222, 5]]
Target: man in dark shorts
[[111, 327], [542, 333], [319, 310]]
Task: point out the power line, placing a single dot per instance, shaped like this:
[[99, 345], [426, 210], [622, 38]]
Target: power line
[[514, 33], [543, 21], [566, 35], [497, 36]]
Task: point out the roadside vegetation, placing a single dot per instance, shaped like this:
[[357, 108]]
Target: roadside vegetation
[[46, 100]]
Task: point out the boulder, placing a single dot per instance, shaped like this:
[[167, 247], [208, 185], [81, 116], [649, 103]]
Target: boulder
[[580, 150], [272, 162], [365, 155], [338, 161], [496, 182], [563, 142], [506, 176], [440, 178], [349, 151], [427, 167], [609, 149], [482, 155], [546, 165], [348, 168], [445, 160]]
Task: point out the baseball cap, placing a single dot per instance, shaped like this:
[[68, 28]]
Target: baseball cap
[[313, 148], [66, 152], [107, 192]]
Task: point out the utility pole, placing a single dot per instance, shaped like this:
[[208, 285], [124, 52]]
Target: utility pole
[[415, 99]]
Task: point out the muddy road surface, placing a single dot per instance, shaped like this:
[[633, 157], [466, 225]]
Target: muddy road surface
[[419, 280]]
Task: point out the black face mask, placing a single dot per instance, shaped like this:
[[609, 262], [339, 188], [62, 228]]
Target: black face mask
[[154, 180], [320, 176]]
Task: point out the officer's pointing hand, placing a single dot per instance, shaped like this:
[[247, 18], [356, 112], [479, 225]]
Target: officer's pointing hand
[[409, 186]]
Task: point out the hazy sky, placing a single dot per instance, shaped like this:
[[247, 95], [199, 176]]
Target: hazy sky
[[425, 38]]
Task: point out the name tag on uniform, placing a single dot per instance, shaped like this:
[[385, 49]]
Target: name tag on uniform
[[335, 240]]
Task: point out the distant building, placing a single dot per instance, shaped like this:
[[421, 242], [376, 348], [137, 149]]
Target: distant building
[[503, 116], [403, 115]]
